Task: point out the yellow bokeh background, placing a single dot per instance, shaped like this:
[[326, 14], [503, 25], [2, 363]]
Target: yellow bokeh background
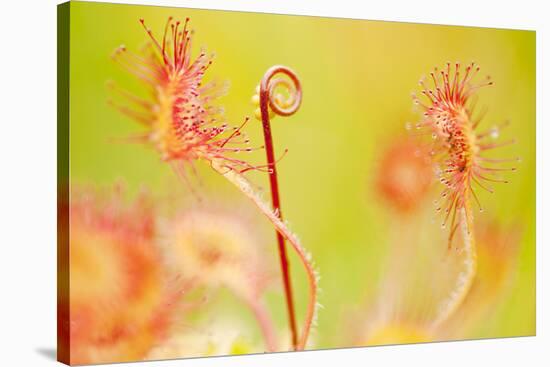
[[357, 79]]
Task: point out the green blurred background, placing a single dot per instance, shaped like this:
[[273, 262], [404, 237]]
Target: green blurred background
[[357, 78]]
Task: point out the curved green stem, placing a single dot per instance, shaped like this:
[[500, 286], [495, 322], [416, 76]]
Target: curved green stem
[[466, 277], [245, 187]]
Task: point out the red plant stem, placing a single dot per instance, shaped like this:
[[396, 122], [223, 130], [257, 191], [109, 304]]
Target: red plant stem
[[265, 101]]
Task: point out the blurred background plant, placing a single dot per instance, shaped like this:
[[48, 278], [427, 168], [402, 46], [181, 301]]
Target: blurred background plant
[[122, 298]]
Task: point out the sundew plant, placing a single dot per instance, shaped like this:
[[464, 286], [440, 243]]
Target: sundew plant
[[462, 165], [238, 187], [184, 127]]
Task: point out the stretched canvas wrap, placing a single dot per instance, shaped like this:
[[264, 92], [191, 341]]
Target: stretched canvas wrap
[[235, 183]]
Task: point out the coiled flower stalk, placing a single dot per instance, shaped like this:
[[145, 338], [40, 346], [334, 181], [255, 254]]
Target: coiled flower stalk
[[271, 104]]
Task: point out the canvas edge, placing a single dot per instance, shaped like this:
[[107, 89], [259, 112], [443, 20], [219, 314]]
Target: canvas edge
[[63, 108]]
